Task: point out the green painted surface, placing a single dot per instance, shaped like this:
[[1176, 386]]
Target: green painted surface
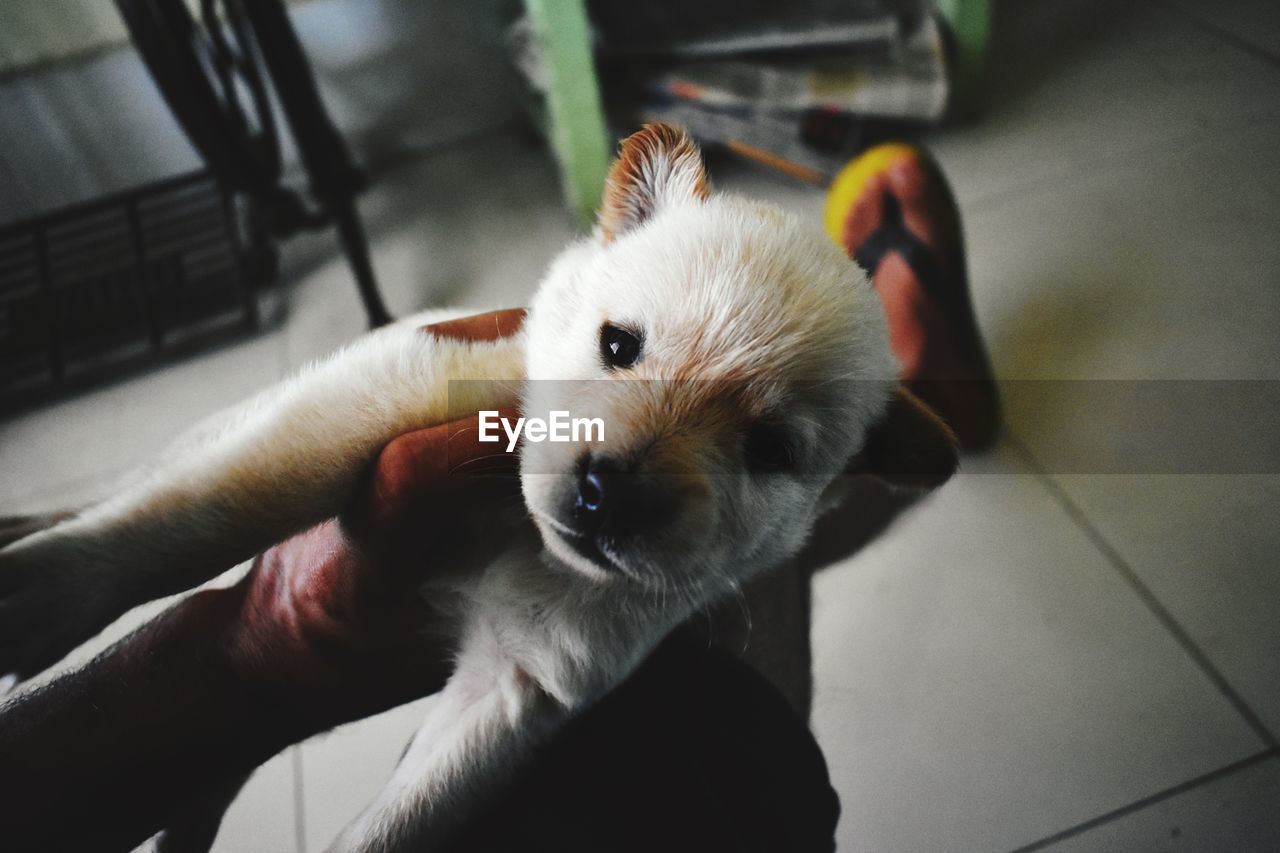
[[575, 117], [970, 25]]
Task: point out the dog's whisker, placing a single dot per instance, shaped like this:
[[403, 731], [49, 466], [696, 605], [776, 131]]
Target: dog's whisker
[[480, 460]]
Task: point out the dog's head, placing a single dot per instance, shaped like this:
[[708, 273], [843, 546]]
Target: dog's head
[[738, 362]]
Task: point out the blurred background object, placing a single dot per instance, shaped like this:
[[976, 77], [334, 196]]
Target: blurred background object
[[217, 74], [800, 88], [89, 143], [92, 288]]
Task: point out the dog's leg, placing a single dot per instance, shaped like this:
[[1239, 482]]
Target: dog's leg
[[15, 527], [485, 721], [286, 460]]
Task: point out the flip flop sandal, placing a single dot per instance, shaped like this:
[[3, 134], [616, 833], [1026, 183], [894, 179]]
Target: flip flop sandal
[[967, 400]]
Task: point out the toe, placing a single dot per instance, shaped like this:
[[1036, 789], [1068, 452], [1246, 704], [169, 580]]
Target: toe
[[866, 215]]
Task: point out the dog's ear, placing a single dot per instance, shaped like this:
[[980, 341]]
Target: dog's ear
[[910, 447], [656, 166]]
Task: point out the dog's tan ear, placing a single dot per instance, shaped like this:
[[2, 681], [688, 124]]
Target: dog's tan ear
[[910, 447], [656, 166]]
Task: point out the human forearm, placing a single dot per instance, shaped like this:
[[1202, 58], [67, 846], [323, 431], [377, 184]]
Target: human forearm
[[103, 757], [75, 772]]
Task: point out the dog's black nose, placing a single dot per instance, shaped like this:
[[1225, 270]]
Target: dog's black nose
[[601, 482], [616, 500], [591, 489]]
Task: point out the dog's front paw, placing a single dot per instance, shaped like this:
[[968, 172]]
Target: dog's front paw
[[49, 604]]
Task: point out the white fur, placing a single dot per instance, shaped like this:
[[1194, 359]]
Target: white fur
[[723, 289]]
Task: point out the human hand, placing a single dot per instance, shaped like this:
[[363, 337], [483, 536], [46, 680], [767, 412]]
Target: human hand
[[331, 621], [326, 628]]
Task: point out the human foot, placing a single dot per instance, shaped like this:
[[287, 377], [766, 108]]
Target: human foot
[[893, 212]]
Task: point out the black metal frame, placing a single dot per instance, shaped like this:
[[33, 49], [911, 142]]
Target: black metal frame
[[199, 69], [124, 280]]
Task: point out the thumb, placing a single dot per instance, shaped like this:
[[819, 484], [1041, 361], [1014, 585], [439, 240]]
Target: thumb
[[428, 489]]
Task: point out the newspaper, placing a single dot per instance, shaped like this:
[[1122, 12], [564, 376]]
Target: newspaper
[[793, 94], [678, 29], [909, 83]]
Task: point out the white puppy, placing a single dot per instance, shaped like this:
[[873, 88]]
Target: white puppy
[[740, 362]]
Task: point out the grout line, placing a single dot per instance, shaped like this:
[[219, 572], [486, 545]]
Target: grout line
[[1256, 51], [982, 203], [299, 812], [1159, 796], [1144, 592]]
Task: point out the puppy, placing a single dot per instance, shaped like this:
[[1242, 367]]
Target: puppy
[[738, 361]]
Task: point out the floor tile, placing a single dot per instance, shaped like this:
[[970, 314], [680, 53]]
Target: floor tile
[[984, 678], [1075, 86], [1236, 813], [1207, 547], [1158, 268], [474, 226], [1253, 23], [71, 449], [344, 770], [263, 818]]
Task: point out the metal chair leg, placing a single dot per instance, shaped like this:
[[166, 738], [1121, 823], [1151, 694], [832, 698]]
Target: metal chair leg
[[335, 179], [356, 247], [171, 42]]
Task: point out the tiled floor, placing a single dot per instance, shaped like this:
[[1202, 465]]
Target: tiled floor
[[1036, 657]]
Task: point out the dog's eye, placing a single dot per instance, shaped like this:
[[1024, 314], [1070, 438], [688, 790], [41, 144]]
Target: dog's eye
[[767, 449], [618, 347]]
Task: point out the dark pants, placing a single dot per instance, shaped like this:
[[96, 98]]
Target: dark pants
[[695, 752]]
